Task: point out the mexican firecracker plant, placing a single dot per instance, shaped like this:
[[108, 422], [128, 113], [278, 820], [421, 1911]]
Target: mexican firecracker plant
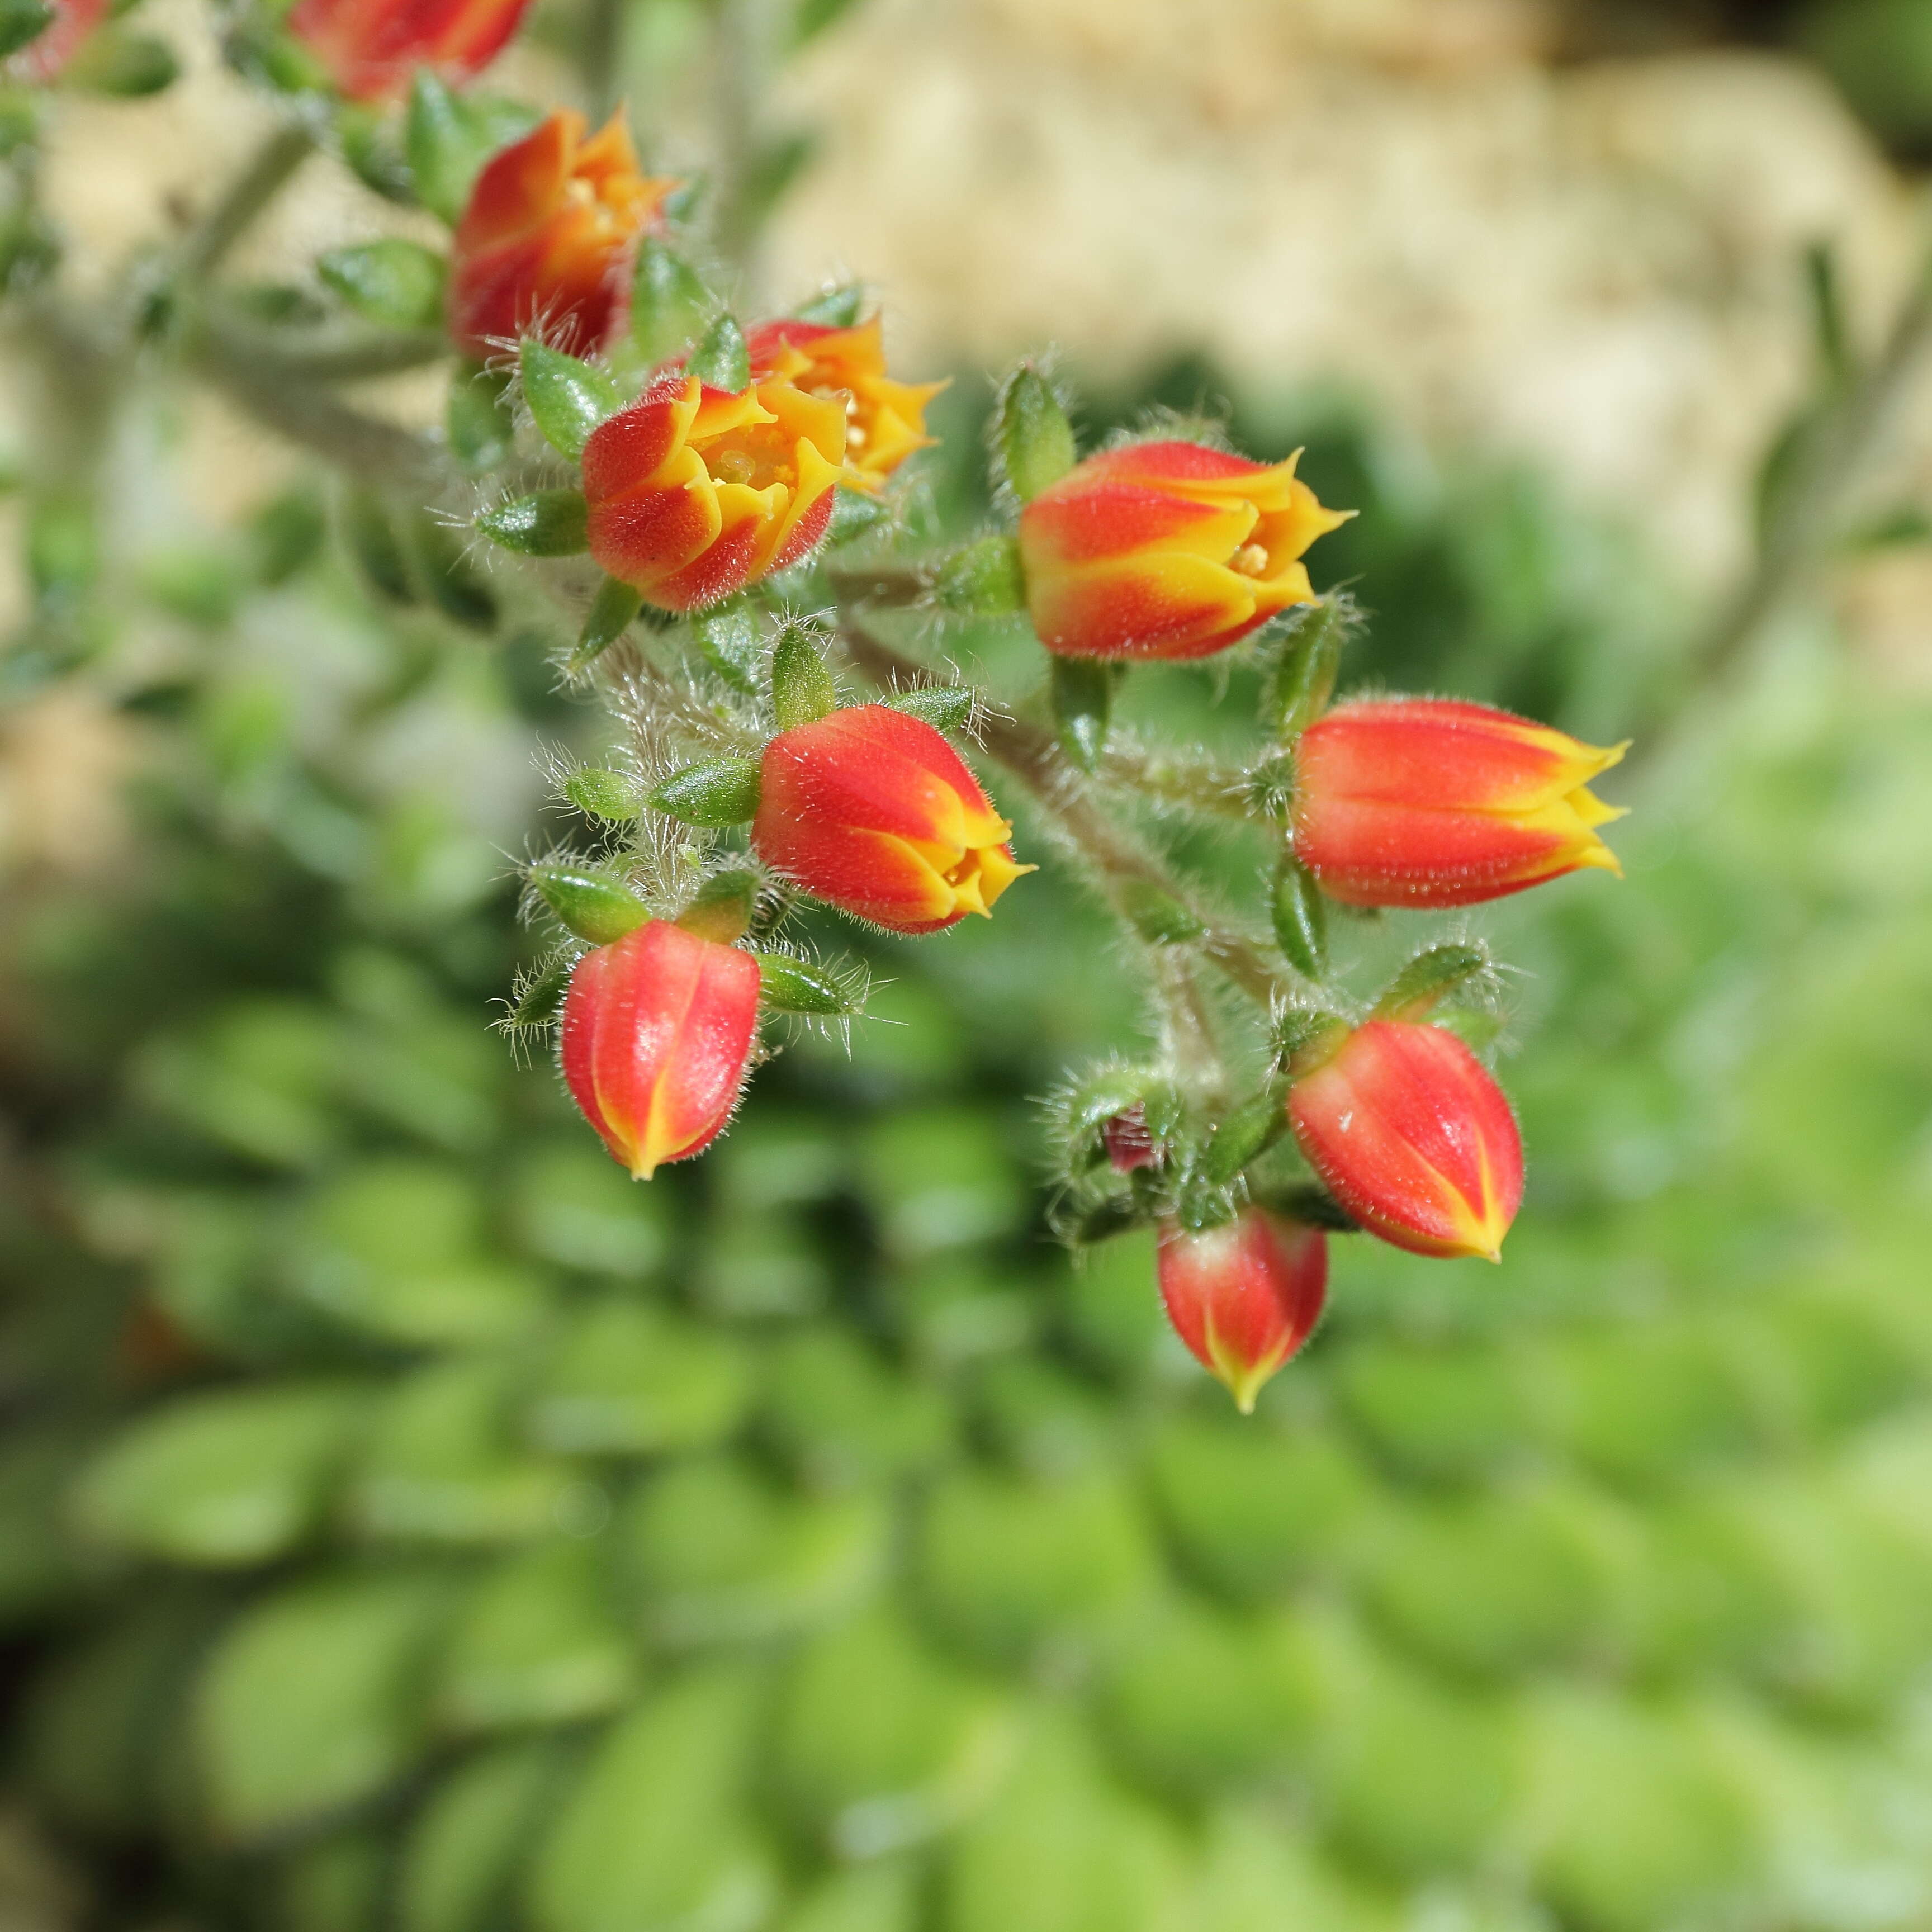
[[716, 504]]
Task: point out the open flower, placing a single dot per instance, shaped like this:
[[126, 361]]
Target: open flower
[[543, 246], [875, 813], [657, 1028], [1430, 802], [1244, 1296], [1411, 1135], [694, 492], [1166, 550], [885, 421], [371, 47]]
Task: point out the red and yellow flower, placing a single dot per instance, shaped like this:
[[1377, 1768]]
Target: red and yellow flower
[[657, 1029], [1244, 1296], [1166, 550], [694, 492], [875, 813], [543, 246], [885, 420], [371, 47], [1432, 802], [1410, 1134]]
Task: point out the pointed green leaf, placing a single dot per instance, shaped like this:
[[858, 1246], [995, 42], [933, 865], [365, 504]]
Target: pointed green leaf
[[612, 611], [1159, 917], [449, 136], [1309, 655], [1300, 918], [854, 514], [397, 283], [568, 398], [1083, 700], [541, 995], [1244, 1135], [839, 307], [720, 360], [946, 707], [983, 580], [603, 793], [547, 523], [1431, 977], [806, 986], [669, 301], [730, 636]]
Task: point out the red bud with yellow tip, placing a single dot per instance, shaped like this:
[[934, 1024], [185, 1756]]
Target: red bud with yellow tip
[[1244, 1296], [872, 811], [543, 246], [1166, 550], [1410, 1134], [1432, 802], [657, 1029]]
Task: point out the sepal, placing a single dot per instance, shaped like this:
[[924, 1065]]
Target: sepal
[[720, 360], [946, 707], [714, 792], [1305, 1037], [568, 398], [612, 611], [1308, 658], [1032, 440], [1301, 915], [592, 905], [448, 137], [839, 307], [803, 691], [538, 995], [789, 985], [1244, 1135], [600, 793], [983, 580], [730, 637], [721, 910], [547, 523], [1158, 916], [1430, 978]]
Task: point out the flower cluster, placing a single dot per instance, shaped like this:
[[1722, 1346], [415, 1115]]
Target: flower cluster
[[688, 485]]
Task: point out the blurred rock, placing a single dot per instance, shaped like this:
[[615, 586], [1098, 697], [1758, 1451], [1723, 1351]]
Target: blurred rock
[[1598, 267]]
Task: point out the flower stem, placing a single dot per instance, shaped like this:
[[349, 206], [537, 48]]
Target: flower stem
[[241, 204]]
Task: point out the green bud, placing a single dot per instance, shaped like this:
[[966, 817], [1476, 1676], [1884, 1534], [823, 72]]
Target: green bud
[[1244, 1135], [542, 994], [1305, 1036], [396, 282], [722, 909], [1083, 700], [946, 707], [1303, 679], [669, 301], [1300, 918], [22, 21], [1033, 441], [568, 399], [1430, 977], [611, 611], [371, 540], [482, 430], [548, 522], [720, 360], [600, 793], [1159, 917], [733, 642], [854, 514], [716, 792], [838, 307], [595, 907], [983, 580], [803, 691], [792, 985], [115, 60]]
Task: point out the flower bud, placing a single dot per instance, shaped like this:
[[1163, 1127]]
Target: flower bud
[[1432, 801], [1129, 1142], [695, 492], [371, 47], [873, 812], [1244, 1296], [544, 244], [885, 421], [1410, 1134], [657, 1029], [1166, 550]]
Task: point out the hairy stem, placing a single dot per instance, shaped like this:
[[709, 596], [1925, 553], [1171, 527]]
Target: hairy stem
[[1031, 755], [1199, 783], [332, 356], [241, 204]]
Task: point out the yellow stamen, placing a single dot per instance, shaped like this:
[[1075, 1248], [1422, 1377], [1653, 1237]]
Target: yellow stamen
[[1251, 560]]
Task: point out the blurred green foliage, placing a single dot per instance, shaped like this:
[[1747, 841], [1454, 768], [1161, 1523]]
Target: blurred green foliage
[[412, 1524]]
